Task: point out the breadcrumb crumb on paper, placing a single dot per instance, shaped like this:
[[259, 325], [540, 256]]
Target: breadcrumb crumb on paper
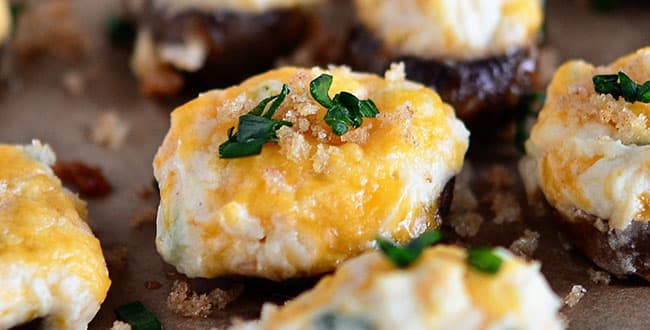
[[73, 82], [187, 303], [525, 245], [575, 295], [506, 208], [599, 277], [396, 72], [117, 258], [119, 325], [466, 224], [109, 130]]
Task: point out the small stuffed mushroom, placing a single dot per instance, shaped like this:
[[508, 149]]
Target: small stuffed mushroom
[[480, 56], [296, 190], [589, 154], [440, 290], [52, 270], [213, 42]]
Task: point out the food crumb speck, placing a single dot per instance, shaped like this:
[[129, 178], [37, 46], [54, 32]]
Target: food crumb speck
[[152, 285], [599, 277], [525, 245], [119, 325], [187, 303], [466, 224], [109, 130], [574, 296], [117, 258], [505, 207]]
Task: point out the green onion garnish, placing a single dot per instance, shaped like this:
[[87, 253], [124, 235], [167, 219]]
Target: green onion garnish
[[120, 30], [484, 260], [138, 316], [620, 84], [403, 256], [344, 110], [255, 129]]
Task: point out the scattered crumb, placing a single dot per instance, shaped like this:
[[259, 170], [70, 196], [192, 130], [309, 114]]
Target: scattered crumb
[[109, 130], [187, 303], [152, 285], [498, 177], [525, 245], [119, 325], [293, 144], [599, 277], [574, 296], [87, 180], [396, 72], [466, 224], [359, 135], [505, 207], [73, 82], [144, 216], [145, 192], [464, 199], [50, 28], [600, 225], [117, 258]]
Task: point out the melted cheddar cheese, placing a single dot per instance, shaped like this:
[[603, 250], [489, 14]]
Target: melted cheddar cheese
[[589, 152], [51, 264], [314, 199], [439, 291], [452, 29], [249, 6], [5, 20]]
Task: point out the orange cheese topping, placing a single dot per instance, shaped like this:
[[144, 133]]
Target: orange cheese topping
[[590, 151], [439, 291], [319, 197], [47, 251]]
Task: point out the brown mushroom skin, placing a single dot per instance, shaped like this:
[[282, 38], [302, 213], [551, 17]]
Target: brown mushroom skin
[[620, 252], [483, 92]]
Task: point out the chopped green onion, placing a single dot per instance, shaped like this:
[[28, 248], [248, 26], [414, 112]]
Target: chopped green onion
[[138, 316], [484, 260], [345, 110], [255, 129], [120, 30], [403, 256], [620, 84]]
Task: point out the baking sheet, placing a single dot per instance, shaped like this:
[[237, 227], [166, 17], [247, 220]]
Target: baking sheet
[[35, 105]]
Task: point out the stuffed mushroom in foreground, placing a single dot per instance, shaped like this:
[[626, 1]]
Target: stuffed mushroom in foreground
[[52, 270], [296, 170], [479, 55], [213, 42], [589, 154], [440, 290]]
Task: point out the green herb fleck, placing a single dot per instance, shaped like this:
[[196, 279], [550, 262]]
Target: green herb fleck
[[620, 84], [120, 30], [336, 321], [345, 109], [484, 260], [138, 316], [255, 129], [403, 256]]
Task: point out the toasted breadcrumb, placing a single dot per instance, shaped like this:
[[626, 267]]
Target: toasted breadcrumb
[[73, 82], [505, 207], [119, 325], [601, 225], [359, 135], [117, 258], [152, 285], [275, 181], [599, 277], [187, 303], [144, 216], [574, 296], [50, 28], [109, 130], [293, 144], [466, 224], [525, 245], [396, 72], [88, 180]]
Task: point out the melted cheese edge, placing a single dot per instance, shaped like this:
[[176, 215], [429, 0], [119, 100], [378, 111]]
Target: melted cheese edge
[[51, 265], [588, 152], [439, 291], [308, 203], [452, 29]]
